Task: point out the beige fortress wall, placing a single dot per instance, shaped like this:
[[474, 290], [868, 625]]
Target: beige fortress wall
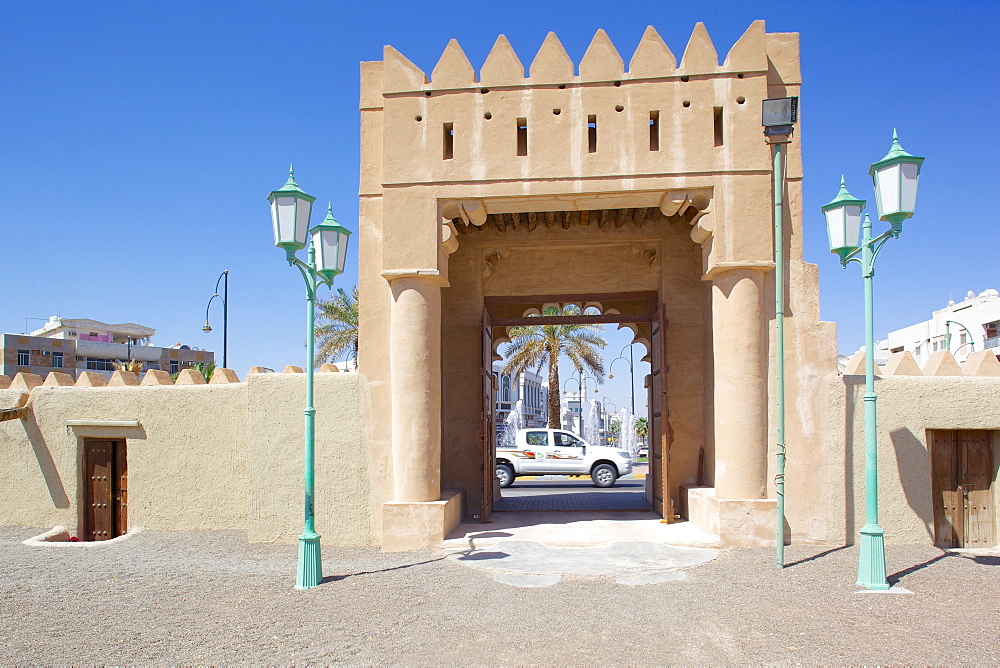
[[416, 203], [205, 457], [909, 406]]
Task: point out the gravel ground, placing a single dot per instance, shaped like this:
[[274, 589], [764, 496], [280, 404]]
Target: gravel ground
[[197, 598]]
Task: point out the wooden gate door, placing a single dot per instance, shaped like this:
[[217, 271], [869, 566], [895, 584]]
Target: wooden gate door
[[659, 455], [962, 479], [105, 512], [487, 428]]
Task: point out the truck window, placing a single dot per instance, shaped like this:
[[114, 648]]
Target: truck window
[[567, 440], [537, 438]]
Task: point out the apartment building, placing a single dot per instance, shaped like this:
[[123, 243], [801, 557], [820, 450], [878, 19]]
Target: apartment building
[[75, 345], [961, 327]]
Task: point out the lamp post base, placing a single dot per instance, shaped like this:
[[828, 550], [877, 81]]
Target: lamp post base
[[871, 563], [310, 571]]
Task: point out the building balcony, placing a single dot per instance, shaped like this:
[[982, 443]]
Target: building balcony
[[992, 342], [117, 351]]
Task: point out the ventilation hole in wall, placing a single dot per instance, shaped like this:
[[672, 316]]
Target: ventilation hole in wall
[[484, 91], [686, 103], [487, 115], [618, 83], [449, 141], [522, 136], [427, 93], [619, 108], [739, 76], [717, 115], [562, 86], [685, 78], [740, 100], [654, 130], [557, 111], [592, 133], [418, 118]]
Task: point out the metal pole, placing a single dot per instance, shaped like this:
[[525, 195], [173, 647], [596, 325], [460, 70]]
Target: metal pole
[[225, 320], [631, 375], [871, 564], [310, 565], [779, 335]]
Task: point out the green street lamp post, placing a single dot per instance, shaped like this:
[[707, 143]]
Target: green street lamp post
[[895, 177], [326, 256]]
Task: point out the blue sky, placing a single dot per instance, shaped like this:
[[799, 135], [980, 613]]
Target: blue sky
[[138, 142]]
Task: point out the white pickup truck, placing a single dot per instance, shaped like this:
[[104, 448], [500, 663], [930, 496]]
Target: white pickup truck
[[559, 452]]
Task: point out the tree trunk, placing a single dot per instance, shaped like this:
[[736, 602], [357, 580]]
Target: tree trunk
[[554, 408]]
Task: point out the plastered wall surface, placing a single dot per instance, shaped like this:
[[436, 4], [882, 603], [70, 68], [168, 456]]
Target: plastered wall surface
[[909, 406], [219, 456]]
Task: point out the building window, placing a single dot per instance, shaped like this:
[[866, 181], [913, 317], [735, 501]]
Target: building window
[[57, 360], [152, 365], [175, 366], [22, 358], [95, 364], [505, 389]]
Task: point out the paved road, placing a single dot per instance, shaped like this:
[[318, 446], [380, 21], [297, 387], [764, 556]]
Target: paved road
[[212, 598], [571, 494]]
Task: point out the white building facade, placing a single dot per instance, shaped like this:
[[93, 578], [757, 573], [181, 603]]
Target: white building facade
[[528, 387], [961, 327]]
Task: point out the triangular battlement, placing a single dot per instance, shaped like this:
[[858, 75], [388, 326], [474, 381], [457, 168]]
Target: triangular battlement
[[602, 62]]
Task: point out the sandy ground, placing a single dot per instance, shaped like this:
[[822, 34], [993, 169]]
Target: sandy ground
[[197, 598]]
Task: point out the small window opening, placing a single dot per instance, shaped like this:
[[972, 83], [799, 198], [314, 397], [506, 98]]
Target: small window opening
[[739, 76], [487, 115], [592, 133], [449, 141], [522, 136], [557, 111], [619, 107], [717, 113], [684, 78], [654, 130]]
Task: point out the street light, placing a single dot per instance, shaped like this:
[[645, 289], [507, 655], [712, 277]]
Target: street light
[[326, 255], [631, 373], [604, 417], [581, 381], [895, 177], [224, 279]]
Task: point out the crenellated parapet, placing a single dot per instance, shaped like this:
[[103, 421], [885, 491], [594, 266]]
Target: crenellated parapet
[[542, 139], [982, 363]]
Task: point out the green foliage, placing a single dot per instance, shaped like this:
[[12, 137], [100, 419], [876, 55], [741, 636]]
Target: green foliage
[[207, 369], [642, 428], [337, 331], [535, 346]]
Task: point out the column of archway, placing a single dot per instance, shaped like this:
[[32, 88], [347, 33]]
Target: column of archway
[[740, 384], [415, 368]]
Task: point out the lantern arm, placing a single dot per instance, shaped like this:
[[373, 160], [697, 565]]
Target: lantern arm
[[880, 240], [309, 275]]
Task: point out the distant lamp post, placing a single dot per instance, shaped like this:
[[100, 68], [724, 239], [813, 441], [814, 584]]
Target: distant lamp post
[[605, 420], [326, 256], [631, 374], [895, 177], [224, 279]]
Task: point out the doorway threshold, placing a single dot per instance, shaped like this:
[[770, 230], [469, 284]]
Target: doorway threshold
[[578, 529]]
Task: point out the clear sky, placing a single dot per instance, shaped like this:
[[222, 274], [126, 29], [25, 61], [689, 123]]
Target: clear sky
[[138, 141]]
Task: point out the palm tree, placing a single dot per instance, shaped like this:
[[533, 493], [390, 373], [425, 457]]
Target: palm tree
[[534, 346], [338, 329], [642, 429]]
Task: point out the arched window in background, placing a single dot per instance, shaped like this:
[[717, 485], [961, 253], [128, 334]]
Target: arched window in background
[[505, 389]]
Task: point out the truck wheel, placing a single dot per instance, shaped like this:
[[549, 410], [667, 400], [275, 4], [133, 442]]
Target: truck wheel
[[603, 475], [505, 474]]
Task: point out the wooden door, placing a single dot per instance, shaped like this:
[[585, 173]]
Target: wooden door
[[962, 476], [487, 428], [977, 488], [105, 512], [659, 453]]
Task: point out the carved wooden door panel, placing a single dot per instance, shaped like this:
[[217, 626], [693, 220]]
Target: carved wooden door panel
[[487, 428], [962, 476], [105, 489], [659, 453]]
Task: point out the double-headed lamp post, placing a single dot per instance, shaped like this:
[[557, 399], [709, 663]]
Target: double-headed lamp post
[[895, 177], [224, 279], [631, 373], [326, 256]]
